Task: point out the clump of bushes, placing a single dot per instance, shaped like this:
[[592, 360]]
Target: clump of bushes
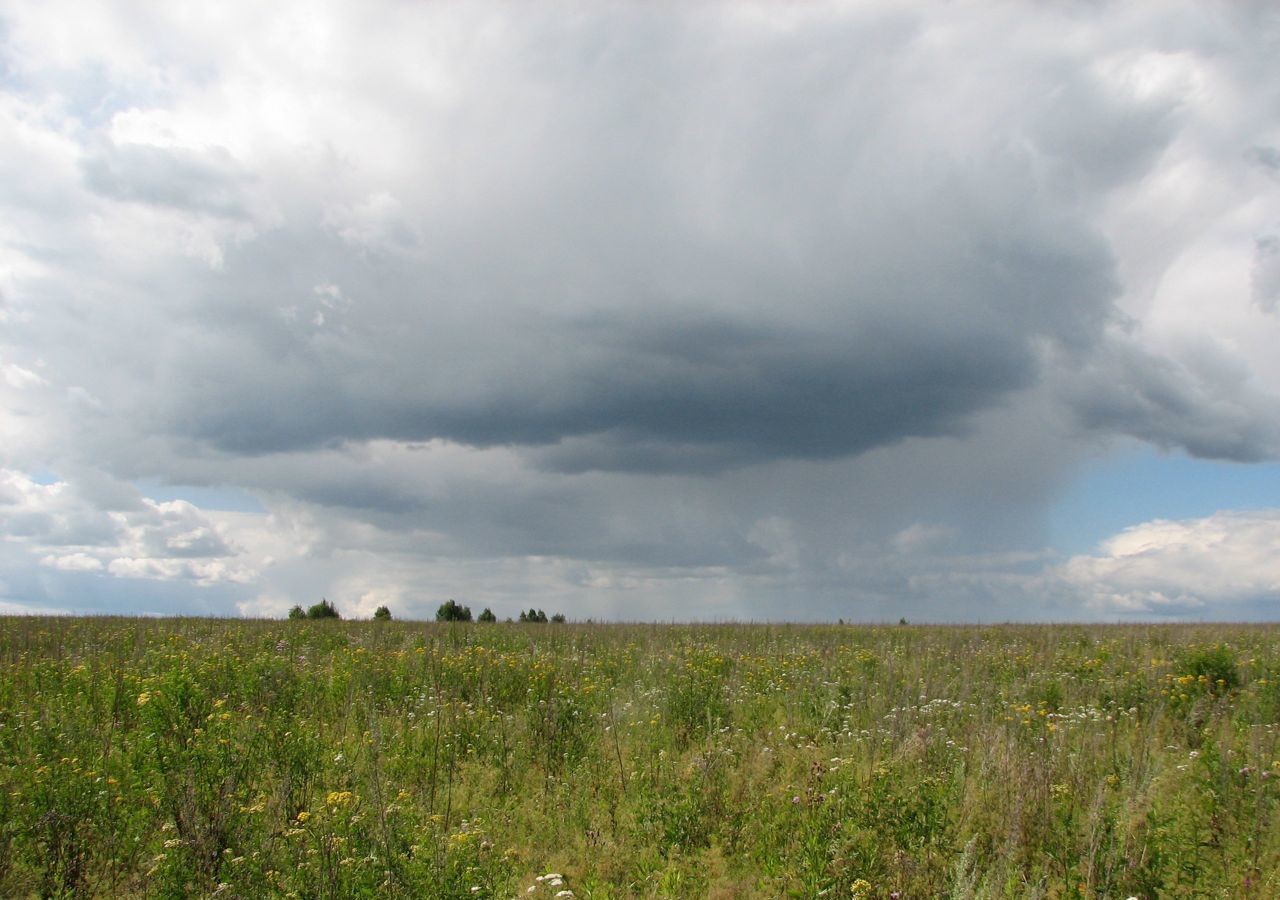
[[382, 614], [451, 611], [538, 616], [322, 610], [487, 616]]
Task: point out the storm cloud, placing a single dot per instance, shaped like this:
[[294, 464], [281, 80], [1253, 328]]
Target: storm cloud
[[740, 298]]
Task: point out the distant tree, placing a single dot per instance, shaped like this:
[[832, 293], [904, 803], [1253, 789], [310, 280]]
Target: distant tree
[[297, 613], [487, 616], [323, 610], [450, 611], [533, 615], [382, 614], [558, 618]]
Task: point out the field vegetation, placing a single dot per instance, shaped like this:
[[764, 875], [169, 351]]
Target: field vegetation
[[321, 758]]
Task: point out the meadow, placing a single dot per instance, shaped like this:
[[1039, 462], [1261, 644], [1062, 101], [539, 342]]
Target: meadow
[[326, 759]]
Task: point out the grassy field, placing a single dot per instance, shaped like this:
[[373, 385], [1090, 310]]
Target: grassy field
[[174, 758]]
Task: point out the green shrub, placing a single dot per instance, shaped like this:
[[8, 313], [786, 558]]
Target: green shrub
[[451, 611], [323, 610], [1216, 664]]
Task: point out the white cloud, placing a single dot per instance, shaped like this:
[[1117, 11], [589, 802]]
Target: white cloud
[[111, 528], [203, 572], [1226, 560], [18, 377], [73, 562], [922, 537]]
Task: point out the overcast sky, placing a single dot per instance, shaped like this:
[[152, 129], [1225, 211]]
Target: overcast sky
[[958, 312]]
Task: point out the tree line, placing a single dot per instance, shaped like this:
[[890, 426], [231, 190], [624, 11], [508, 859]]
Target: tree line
[[449, 611]]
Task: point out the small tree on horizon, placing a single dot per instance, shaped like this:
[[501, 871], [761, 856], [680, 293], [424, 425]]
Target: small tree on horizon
[[382, 614], [559, 619], [533, 615], [450, 611], [323, 610], [297, 612], [487, 616]]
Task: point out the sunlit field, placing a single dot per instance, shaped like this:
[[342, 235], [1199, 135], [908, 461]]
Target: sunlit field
[[174, 758]]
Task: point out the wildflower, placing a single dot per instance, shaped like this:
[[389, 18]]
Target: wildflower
[[144, 698]]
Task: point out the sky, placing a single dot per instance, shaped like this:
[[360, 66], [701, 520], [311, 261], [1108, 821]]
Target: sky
[[961, 312]]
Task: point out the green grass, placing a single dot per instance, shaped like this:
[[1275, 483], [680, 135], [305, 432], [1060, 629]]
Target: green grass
[[312, 759]]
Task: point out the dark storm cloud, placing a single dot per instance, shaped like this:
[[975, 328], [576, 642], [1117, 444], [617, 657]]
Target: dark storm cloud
[[1199, 401], [724, 396], [718, 391], [760, 260], [720, 354], [540, 300]]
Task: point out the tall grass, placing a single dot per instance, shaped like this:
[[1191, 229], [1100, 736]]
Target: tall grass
[[189, 757]]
